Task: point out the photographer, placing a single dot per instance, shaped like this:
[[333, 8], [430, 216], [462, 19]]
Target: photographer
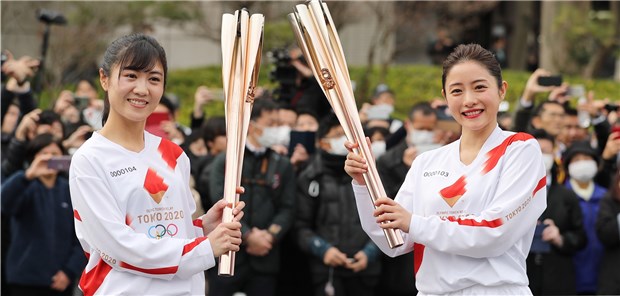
[[298, 87], [15, 84], [88, 102], [32, 124], [44, 257]]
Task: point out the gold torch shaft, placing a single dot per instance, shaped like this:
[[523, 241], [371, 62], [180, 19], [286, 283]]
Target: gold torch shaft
[[318, 39], [241, 49]]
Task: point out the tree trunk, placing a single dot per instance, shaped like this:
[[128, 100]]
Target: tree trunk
[[522, 24], [615, 10], [597, 60], [549, 38]]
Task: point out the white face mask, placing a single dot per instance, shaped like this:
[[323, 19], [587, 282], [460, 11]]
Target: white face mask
[[284, 135], [583, 170], [380, 111], [269, 137], [378, 148], [421, 137], [337, 146], [548, 161]]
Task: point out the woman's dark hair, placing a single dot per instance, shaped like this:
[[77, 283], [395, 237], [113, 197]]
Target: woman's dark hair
[[39, 142], [475, 53], [137, 52], [213, 128]]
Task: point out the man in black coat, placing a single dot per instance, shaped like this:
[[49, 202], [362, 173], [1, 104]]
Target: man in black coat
[[269, 183], [559, 234], [397, 277], [608, 231], [342, 257]]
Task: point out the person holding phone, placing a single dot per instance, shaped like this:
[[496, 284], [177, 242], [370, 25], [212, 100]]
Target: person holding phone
[[549, 116], [130, 190], [44, 256], [467, 210], [15, 84]]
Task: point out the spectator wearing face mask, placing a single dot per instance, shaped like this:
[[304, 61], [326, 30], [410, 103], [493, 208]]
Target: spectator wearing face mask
[[306, 125], [559, 233], [286, 122], [420, 126], [380, 109], [397, 277], [377, 137], [581, 162], [269, 183], [341, 256]]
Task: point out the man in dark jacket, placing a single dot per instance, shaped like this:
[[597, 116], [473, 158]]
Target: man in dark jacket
[[560, 233], [343, 260], [269, 183], [608, 229], [397, 277]]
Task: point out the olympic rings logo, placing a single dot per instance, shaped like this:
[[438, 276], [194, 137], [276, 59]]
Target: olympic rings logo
[[158, 231]]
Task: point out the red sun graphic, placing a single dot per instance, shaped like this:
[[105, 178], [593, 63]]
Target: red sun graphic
[[453, 193], [154, 185]]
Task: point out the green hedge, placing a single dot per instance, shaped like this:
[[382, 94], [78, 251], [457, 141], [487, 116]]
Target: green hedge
[[411, 83]]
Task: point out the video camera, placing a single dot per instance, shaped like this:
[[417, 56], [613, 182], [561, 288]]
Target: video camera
[[283, 73], [51, 17]]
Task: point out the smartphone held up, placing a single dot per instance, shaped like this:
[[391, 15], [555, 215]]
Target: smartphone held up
[[554, 80], [60, 163]]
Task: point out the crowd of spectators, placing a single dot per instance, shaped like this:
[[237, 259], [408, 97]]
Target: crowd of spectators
[[301, 233]]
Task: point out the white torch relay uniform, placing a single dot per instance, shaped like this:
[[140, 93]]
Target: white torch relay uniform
[[471, 225], [133, 218]]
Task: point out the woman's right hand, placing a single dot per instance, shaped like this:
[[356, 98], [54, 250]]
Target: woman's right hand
[[391, 214], [355, 165], [38, 167], [225, 237]]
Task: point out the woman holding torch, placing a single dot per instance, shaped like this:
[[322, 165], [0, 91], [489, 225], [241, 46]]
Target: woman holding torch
[[130, 190], [468, 210]]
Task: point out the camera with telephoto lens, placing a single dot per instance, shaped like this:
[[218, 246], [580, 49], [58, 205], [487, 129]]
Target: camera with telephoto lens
[[51, 17], [284, 73]]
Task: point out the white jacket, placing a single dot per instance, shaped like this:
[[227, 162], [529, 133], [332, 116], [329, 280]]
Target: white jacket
[[471, 225], [133, 218]]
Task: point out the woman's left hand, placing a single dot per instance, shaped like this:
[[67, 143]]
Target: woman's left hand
[[390, 214], [213, 217]]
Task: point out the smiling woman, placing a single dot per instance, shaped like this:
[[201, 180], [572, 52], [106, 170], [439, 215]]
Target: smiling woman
[[130, 190], [472, 236]]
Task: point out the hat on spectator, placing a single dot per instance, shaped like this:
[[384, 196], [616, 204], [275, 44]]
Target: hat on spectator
[[581, 147]]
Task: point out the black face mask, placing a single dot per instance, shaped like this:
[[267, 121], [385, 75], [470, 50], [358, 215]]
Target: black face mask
[[332, 161]]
